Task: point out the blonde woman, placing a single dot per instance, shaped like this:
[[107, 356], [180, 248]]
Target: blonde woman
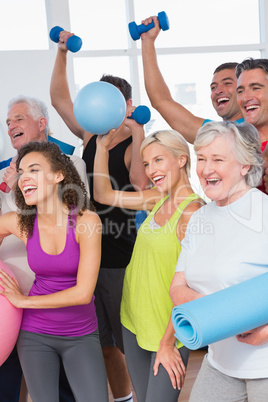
[[156, 362]]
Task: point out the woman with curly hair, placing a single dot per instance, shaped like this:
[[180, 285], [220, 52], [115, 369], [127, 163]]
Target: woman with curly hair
[[63, 240]]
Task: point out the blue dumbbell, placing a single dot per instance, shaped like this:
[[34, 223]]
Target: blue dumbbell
[[141, 114], [136, 30], [73, 43]]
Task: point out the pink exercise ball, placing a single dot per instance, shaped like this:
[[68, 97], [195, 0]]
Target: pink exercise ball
[[10, 319]]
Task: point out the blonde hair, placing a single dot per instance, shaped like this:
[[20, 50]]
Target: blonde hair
[[173, 142]]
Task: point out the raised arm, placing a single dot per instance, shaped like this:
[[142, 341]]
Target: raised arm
[[103, 191], [89, 241], [133, 161], [59, 88], [176, 115]]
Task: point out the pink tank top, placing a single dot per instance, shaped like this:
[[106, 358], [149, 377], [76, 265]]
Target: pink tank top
[[54, 273]]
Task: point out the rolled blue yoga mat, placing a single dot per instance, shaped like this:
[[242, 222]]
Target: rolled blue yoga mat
[[222, 314]]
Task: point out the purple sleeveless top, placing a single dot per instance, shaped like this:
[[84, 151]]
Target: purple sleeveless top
[[54, 273]]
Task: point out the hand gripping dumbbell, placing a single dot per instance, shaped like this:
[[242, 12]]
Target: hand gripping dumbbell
[[136, 30], [73, 43], [141, 114]]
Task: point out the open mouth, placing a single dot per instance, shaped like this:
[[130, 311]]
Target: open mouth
[[158, 180], [222, 101], [29, 190], [212, 182], [251, 108], [17, 135]]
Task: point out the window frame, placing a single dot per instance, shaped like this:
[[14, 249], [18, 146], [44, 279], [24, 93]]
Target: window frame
[[54, 13]]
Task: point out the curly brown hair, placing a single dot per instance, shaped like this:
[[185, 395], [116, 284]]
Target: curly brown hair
[[71, 189]]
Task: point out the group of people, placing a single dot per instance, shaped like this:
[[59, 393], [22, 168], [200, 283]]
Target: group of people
[[75, 333]]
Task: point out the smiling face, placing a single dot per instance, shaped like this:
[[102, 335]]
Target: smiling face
[[223, 94], [252, 97], [22, 128], [36, 181], [221, 176], [162, 167]]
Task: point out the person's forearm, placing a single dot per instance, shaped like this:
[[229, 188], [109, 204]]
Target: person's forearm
[[60, 94], [176, 115], [105, 194], [73, 296], [59, 83], [156, 88], [168, 337], [103, 191], [137, 175], [181, 294]]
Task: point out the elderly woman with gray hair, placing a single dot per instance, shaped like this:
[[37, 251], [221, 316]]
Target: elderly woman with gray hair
[[225, 244]]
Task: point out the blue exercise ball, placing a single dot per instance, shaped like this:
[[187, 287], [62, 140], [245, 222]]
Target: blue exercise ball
[[99, 107]]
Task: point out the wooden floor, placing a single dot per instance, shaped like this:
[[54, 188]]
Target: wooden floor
[[195, 360]]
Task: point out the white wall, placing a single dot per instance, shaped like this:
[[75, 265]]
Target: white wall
[[29, 73]]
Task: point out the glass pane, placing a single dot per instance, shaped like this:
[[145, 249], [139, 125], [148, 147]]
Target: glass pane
[[89, 69], [204, 23], [23, 25], [100, 24], [188, 78]]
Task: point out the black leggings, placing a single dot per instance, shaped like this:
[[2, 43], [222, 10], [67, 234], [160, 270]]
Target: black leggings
[[140, 362], [82, 360]]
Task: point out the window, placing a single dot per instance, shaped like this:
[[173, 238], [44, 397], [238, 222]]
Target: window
[[23, 25], [101, 24], [191, 48], [204, 23], [196, 70], [89, 69], [202, 35]]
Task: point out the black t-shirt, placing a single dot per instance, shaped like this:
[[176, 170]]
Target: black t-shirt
[[118, 225]]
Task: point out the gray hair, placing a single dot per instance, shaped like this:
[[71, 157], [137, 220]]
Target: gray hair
[[173, 142], [246, 145], [37, 108], [251, 64]]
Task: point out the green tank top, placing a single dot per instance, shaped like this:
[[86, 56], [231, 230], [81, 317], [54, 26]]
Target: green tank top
[[146, 305]]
